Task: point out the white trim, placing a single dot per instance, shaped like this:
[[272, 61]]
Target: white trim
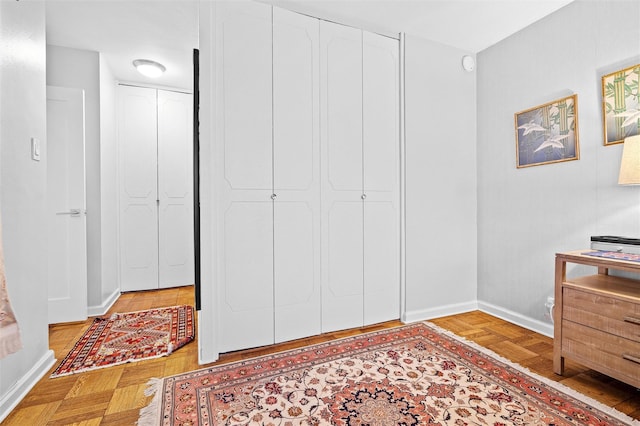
[[154, 86], [403, 178], [98, 310], [516, 318], [19, 390], [440, 311], [208, 315]]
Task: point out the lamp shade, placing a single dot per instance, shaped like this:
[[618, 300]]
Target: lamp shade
[[630, 164]]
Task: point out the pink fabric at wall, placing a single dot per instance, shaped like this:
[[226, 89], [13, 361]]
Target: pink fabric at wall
[[10, 341]]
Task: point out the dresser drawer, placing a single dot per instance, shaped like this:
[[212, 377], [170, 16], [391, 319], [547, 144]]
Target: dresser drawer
[[608, 314], [612, 355]]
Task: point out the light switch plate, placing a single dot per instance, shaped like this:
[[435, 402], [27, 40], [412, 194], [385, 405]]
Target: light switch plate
[[35, 149]]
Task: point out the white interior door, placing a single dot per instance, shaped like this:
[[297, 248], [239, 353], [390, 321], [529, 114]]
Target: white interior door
[[381, 138], [342, 220], [296, 159], [175, 189], [67, 236], [245, 207], [138, 183]]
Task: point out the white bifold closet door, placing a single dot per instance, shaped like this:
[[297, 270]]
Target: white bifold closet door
[[381, 177], [296, 180], [267, 195], [137, 173], [342, 204], [175, 189], [360, 144], [155, 184]]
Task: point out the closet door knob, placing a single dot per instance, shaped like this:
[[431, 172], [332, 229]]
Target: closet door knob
[[363, 196], [273, 196]]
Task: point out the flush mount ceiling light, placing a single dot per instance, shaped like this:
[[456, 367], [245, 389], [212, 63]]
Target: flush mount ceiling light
[[149, 68]]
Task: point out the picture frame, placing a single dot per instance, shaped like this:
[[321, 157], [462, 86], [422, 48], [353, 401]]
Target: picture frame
[[548, 133], [621, 104]]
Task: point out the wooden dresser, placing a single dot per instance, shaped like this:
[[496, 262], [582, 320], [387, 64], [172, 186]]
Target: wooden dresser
[[597, 317]]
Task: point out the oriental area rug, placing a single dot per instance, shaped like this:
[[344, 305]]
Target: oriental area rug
[[127, 337], [410, 375]]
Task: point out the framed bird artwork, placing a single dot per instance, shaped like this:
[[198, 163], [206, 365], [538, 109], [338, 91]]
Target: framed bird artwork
[[621, 104], [547, 133]]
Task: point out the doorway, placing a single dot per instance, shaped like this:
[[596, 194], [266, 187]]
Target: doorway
[[66, 221], [116, 33]]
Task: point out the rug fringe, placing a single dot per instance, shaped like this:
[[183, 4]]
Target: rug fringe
[[92, 368], [150, 415], [553, 384], [164, 308]]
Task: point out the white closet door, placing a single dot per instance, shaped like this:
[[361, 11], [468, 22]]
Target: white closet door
[[296, 158], [137, 153], [245, 208], [381, 178], [341, 132], [175, 189]]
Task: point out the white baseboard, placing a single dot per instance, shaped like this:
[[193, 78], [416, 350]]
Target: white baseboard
[[95, 311], [543, 328], [9, 400], [440, 311], [516, 318]]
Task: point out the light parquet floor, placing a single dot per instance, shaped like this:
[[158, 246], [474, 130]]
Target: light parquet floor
[[114, 395]]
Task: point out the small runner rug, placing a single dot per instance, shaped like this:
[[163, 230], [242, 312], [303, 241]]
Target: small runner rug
[[127, 337], [411, 375]]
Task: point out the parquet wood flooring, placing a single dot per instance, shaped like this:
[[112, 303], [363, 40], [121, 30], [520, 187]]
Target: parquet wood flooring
[[114, 395]]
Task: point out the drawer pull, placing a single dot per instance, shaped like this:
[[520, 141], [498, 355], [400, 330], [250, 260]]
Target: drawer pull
[[631, 358], [632, 320]]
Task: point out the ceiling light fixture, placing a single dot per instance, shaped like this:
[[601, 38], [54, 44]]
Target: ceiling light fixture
[[149, 68]]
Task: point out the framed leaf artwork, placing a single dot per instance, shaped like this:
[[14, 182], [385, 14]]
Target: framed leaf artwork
[[621, 104], [548, 133]]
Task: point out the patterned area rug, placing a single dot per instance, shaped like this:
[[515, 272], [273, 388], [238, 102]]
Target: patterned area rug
[[128, 337], [411, 375]]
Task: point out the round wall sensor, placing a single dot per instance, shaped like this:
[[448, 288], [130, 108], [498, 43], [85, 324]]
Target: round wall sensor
[[468, 63]]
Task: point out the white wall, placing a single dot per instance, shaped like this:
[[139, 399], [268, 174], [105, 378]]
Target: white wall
[[527, 215], [440, 181], [22, 193], [110, 289], [78, 68]]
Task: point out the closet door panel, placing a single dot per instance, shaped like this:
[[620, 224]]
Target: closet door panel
[[381, 260], [296, 275], [244, 243], [342, 296], [175, 189], [247, 285], [342, 90], [244, 44], [296, 158], [139, 259], [295, 101], [137, 153], [381, 132]]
